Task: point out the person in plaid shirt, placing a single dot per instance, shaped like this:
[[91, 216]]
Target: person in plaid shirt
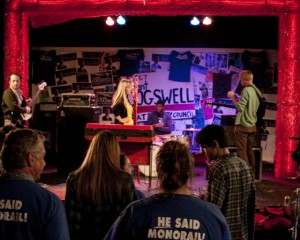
[[230, 183]]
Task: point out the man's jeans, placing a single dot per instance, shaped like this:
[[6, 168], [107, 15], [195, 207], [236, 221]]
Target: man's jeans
[[244, 140]]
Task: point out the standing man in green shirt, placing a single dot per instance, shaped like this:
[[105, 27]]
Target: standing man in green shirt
[[245, 122]]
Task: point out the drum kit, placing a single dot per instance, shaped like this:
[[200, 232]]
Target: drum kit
[[181, 138], [157, 143]]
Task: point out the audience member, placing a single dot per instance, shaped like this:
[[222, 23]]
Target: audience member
[[98, 190], [28, 211], [230, 182], [173, 213], [121, 106], [14, 103], [245, 122], [127, 167], [160, 120]]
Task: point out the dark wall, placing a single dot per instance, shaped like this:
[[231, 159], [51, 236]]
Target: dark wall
[[225, 32]]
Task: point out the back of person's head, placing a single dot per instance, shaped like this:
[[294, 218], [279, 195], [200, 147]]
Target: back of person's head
[[103, 152], [17, 145], [246, 75], [212, 133], [174, 165], [100, 170]]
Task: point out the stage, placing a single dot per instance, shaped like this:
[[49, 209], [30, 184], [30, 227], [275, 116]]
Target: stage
[[270, 191]]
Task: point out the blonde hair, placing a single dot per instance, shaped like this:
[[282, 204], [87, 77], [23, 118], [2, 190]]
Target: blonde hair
[[120, 94], [246, 75]]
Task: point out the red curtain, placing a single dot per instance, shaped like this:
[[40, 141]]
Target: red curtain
[[49, 12]]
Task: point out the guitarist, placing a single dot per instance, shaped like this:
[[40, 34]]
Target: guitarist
[[14, 103]]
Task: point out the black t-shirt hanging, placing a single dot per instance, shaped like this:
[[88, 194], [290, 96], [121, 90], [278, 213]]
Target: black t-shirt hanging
[[130, 61], [256, 62], [44, 63]]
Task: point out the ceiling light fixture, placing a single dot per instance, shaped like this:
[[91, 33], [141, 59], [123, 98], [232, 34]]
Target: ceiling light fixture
[[207, 21], [121, 20], [195, 21], [109, 21]]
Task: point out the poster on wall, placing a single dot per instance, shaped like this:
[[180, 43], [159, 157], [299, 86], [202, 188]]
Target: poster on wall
[[103, 99], [101, 79], [107, 117], [178, 98], [216, 60]]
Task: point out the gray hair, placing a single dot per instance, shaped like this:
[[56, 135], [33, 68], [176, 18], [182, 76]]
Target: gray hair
[[18, 144]]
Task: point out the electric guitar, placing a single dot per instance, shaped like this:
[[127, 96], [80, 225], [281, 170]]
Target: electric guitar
[[27, 116]]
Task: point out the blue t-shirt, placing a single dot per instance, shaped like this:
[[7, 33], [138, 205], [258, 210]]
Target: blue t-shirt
[[173, 216], [29, 211]]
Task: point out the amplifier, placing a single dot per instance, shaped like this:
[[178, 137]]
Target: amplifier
[[78, 100]]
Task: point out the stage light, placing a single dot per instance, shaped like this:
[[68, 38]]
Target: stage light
[[121, 20], [207, 21], [109, 21], [195, 21]]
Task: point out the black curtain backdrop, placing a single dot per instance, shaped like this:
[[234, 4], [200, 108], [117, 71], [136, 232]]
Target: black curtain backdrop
[[155, 31]]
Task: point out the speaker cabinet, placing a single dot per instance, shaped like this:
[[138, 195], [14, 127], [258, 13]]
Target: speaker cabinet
[[44, 119], [71, 142]]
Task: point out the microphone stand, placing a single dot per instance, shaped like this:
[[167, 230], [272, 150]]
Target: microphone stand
[[135, 99]]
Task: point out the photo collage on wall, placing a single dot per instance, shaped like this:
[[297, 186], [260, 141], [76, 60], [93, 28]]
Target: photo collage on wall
[[79, 72], [192, 82]]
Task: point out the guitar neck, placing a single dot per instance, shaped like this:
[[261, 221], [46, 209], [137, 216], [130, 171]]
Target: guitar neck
[[33, 100]]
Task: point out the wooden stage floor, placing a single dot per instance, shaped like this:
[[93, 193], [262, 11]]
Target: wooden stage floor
[[270, 191]]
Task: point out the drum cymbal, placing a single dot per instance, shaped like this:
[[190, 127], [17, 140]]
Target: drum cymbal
[[192, 129]]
